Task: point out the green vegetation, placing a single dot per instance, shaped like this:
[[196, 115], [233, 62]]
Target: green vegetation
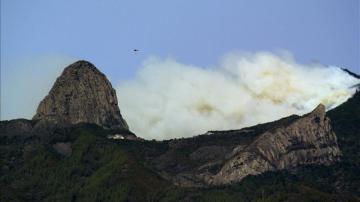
[[100, 169], [97, 170]]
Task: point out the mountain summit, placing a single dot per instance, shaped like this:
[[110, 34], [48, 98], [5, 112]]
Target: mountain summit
[[82, 94]]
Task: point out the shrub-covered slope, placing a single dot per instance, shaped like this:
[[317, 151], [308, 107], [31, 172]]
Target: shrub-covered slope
[[97, 170], [101, 169]]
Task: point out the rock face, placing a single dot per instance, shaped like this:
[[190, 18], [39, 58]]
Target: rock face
[[308, 140], [82, 94], [227, 157], [63, 148]]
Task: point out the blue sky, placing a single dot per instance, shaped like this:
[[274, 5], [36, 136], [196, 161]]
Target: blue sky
[[192, 32]]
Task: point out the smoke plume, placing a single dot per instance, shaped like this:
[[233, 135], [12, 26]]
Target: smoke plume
[[168, 99]]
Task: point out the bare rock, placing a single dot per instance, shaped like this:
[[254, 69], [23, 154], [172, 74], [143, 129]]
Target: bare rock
[[307, 140], [82, 94], [63, 148]]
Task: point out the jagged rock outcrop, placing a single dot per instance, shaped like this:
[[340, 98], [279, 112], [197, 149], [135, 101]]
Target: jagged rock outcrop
[[308, 140], [227, 157], [82, 94]]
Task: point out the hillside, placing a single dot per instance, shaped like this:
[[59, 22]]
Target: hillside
[[103, 169]]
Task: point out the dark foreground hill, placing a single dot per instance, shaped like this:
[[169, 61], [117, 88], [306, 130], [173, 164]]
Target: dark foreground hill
[[102, 169], [314, 157]]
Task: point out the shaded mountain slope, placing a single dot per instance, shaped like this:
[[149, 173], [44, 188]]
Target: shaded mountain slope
[[96, 169], [345, 120], [100, 168]]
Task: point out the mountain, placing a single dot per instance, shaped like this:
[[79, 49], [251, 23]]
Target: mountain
[[65, 156], [226, 157], [82, 94]]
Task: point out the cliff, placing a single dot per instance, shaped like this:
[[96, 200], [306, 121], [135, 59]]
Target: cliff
[[82, 94]]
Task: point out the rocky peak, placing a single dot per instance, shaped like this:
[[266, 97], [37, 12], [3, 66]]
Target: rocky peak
[[306, 140], [319, 112], [82, 94]]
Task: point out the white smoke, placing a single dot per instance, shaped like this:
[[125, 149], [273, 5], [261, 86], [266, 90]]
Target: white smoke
[[168, 99]]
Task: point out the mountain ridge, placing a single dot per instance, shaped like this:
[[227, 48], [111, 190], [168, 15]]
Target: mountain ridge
[[296, 156]]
